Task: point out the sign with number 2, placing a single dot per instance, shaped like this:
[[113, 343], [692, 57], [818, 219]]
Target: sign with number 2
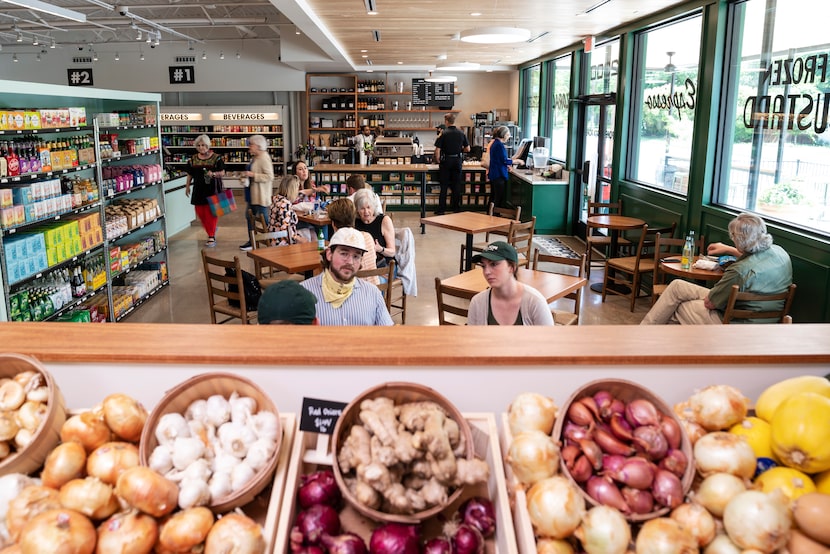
[[79, 77]]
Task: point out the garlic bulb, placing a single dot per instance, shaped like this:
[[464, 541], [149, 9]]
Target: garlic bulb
[[259, 453], [197, 411], [193, 492], [241, 475], [242, 407], [170, 427], [203, 430], [220, 485], [199, 470], [236, 438], [187, 450], [218, 410], [266, 425], [161, 459], [224, 462]]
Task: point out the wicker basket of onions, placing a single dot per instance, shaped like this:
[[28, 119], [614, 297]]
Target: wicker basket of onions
[[32, 413], [624, 447], [218, 436]]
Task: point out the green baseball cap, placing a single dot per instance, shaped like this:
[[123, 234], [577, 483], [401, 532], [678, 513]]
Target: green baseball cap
[[497, 251], [286, 301]]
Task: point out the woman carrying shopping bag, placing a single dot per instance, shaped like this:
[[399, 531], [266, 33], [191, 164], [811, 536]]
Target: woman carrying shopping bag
[[202, 169]]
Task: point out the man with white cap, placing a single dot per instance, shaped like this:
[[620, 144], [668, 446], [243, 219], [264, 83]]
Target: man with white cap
[[342, 298]]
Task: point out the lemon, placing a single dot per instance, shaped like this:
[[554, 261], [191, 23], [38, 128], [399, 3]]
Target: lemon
[[791, 481], [772, 397], [801, 432], [822, 481], [758, 434]]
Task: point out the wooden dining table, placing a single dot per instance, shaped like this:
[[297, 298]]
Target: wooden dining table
[[614, 223], [552, 286], [469, 223], [293, 258], [672, 266], [320, 219]]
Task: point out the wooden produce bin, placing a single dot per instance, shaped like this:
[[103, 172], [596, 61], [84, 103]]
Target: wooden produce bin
[[485, 434], [268, 514]]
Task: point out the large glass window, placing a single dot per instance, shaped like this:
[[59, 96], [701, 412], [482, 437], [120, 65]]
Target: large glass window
[[532, 85], [560, 106], [665, 97], [776, 146], [605, 59]]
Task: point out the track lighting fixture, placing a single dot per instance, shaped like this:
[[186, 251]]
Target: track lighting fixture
[[35, 41], [38, 58], [19, 36], [14, 58], [53, 45], [158, 39], [221, 55], [238, 55], [117, 57], [141, 57], [94, 56], [204, 55]]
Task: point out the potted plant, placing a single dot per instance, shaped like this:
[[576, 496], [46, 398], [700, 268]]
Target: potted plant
[[305, 151], [780, 198]]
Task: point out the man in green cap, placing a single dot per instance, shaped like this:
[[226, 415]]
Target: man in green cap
[[287, 303]]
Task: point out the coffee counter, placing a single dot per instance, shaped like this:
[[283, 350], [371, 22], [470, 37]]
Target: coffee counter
[[548, 199], [477, 368]]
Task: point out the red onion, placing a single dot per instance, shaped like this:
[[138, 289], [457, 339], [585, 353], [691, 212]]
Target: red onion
[[319, 488], [395, 538], [667, 489], [651, 441], [574, 432], [438, 545], [580, 414], [316, 521], [640, 502], [308, 550], [675, 461], [605, 492], [637, 473], [671, 429], [347, 543], [642, 412], [480, 513], [611, 444], [620, 427], [467, 540]]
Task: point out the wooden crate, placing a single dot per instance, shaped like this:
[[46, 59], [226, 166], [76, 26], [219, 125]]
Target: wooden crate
[[525, 537], [485, 433]]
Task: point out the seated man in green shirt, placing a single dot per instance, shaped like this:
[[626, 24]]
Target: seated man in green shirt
[[761, 267]]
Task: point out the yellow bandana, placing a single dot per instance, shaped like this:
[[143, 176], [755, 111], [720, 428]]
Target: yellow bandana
[[335, 293]]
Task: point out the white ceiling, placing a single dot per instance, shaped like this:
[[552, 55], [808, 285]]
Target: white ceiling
[[326, 35]]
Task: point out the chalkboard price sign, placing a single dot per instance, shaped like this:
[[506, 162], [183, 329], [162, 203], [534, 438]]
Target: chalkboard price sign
[[425, 93], [320, 416]]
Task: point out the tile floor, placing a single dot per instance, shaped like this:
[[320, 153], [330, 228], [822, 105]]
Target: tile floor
[[437, 252]]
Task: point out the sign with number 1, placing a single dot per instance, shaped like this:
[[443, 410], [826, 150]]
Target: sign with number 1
[[181, 74]]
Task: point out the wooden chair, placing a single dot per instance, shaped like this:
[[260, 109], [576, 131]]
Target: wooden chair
[[513, 214], [666, 247], [562, 317], [780, 314], [391, 288], [520, 237], [594, 238], [219, 297], [451, 301]]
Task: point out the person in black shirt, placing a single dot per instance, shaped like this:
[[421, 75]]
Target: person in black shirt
[[449, 153]]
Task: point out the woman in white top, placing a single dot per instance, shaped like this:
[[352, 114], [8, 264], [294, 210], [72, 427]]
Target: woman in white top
[[507, 301]]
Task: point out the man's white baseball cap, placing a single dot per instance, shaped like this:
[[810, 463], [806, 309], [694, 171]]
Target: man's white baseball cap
[[348, 236]]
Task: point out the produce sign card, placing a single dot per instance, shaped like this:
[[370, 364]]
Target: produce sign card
[[320, 416]]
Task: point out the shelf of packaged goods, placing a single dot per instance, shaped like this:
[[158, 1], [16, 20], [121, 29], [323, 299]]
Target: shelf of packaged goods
[[29, 177], [60, 265], [190, 147], [125, 128], [119, 194], [219, 133], [107, 161], [75, 303], [120, 272], [46, 131], [141, 301], [326, 129], [332, 111], [55, 217], [134, 229]]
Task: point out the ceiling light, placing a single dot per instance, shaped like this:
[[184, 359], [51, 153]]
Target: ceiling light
[[117, 57], [364, 50], [149, 38], [190, 45], [458, 66], [138, 35], [495, 35], [19, 37], [141, 57], [440, 78], [38, 58], [400, 63], [95, 56], [238, 55], [371, 8], [14, 58], [158, 39], [204, 55], [35, 42], [475, 14], [221, 55], [50, 9], [53, 45]]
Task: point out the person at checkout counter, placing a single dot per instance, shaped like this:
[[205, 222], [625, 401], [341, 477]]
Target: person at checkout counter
[[450, 147]]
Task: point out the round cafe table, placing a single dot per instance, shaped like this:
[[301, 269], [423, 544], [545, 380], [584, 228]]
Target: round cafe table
[[668, 265], [614, 223]]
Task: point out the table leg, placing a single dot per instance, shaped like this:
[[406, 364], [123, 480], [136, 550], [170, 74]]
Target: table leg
[[597, 287], [468, 264]]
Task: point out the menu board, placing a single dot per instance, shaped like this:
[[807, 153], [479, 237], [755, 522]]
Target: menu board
[[425, 93]]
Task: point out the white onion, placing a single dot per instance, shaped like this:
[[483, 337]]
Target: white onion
[[555, 506], [697, 520], [664, 536], [90, 496], [553, 546], [715, 492], [754, 519], [604, 530], [531, 411], [722, 544], [533, 456], [722, 452], [718, 407]]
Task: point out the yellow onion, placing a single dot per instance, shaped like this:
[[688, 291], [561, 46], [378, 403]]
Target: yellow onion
[[553, 546], [754, 519], [664, 535], [128, 533], [237, 533], [555, 506], [716, 490], [62, 531], [722, 452], [718, 407], [185, 529], [90, 496], [722, 544], [31, 501], [64, 463], [533, 456], [791, 481], [125, 416], [150, 492], [110, 460], [604, 530], [697, 520], [801, 432], [87, 428], [531, 411]]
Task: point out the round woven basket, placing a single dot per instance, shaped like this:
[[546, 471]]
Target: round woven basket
[[400, 393], [626, 391], [47, 436], [177, 399]]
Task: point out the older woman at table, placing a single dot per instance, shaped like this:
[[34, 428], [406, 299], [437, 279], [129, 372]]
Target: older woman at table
[[282, 217], [507, 301], [376, 224]]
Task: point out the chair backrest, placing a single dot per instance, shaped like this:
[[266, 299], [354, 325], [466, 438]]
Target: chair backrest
[[514, 214], [218, 282], [578, 263], [779, 314], [391, 288], [520, 237], [451, 301], [256, 224]]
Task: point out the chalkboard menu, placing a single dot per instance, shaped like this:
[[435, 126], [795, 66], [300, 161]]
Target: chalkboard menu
[[425, 93]]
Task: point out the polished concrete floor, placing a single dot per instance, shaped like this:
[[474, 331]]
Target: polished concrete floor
[[437, 252]]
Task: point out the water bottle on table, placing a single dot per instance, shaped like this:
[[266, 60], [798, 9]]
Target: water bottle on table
[[688, 254]]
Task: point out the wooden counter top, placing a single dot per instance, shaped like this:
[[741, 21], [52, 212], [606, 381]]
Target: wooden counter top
[[418, 346], [388, 167]]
